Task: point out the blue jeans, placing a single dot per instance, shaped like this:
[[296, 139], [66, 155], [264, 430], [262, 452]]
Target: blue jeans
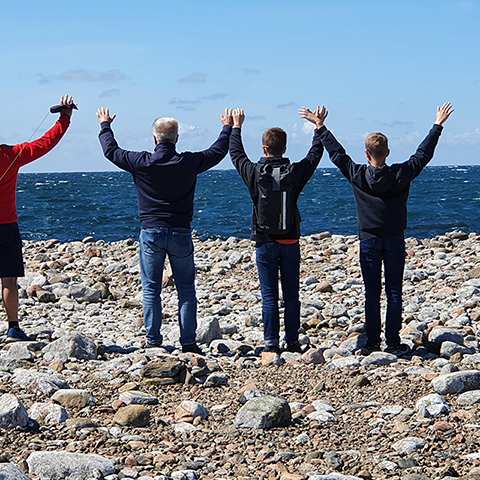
[[155, 244], [390, 251], [271, 257]]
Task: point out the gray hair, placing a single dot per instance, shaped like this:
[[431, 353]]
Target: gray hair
[[165, 130]]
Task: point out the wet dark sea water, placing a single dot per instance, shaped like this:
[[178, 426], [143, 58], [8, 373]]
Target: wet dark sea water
[[71, 206]]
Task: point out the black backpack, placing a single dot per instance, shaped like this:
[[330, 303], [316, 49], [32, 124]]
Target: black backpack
[[276, 207]]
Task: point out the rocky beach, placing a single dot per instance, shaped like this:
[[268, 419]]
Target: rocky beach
[[85, 400]]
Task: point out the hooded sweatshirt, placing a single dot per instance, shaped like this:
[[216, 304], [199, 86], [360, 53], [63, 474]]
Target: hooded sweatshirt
[[381, 194]]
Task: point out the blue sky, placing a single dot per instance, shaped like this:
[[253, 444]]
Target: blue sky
[[376, 65]]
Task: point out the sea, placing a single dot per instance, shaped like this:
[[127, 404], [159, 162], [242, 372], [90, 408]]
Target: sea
[[72, 206]]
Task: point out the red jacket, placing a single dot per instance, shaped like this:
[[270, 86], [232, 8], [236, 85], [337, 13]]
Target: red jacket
[[27, 153]]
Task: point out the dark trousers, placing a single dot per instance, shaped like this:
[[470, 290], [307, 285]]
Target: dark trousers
[[390, 251], [272, 257]]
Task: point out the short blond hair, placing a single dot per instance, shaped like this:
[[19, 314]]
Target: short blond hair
[[165, 130], [376, 145]]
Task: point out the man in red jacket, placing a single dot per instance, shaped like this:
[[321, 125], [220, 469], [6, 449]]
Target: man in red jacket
[[11, 260]]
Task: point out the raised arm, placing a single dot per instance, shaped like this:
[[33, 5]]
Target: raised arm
[[314, 155], [30, 151], [425, 151], [337, 153], [219, 149], [244, 166]]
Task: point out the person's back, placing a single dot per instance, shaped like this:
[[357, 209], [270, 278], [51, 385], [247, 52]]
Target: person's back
[[381, 194], [274, 185], [165, 182]]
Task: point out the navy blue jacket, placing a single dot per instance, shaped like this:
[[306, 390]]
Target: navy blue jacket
[[302, 171], [381, 194], [165, 180]]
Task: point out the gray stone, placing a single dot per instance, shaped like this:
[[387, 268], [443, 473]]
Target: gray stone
[[337, 310], [48, 413], [19, 351], [469, 398], [457, 382], [355, 343], [78, 423], [345, 362], [208, 329], [73, 344], [440, 335], [408, 445], [379, 358], [74, 398], [184, 427], [333, 476], [193, 409], [264, 412], [216, 380], [448, 349], [138, 398], [68, 466], [9, 471], [12, 412], [322, 416], [249, 394], [434, 404], [83, 293], [45, 382]]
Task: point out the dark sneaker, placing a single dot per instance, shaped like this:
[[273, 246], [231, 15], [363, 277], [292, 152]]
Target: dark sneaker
[[16, 334], [272, 349], [153, 345], [193, 348], [294, 348], [398, 350], [375, 347]]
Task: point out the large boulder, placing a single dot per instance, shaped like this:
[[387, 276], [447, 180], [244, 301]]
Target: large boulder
[[12, 412], [264, 412], [72, 344], [8, 471], [38, 381], [68, 466], [457, 382]]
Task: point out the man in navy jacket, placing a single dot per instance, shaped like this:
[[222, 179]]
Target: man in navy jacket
[[381, 194], [165, 181]]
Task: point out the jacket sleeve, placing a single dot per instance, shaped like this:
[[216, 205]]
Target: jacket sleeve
[[245, 167], [309, 164], [419, 160], [217, 152], [28, 152], [123, 159], [337, 153]]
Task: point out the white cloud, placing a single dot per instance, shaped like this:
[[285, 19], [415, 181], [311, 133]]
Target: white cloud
[[307, 128], [194, 78], [190, 130], [466, 138]]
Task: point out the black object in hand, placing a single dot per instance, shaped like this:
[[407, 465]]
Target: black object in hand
[[63, 108]]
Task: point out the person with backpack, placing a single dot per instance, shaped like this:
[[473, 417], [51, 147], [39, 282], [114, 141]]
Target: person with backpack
[[381, 194], [275, 185]]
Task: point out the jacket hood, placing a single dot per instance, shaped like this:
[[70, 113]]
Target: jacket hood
[[380, 180], [265, 160]]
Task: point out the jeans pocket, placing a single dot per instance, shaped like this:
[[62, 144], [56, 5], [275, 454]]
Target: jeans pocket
[[182, 244]]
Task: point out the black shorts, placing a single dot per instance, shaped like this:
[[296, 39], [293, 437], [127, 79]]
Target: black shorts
[[11, 259]]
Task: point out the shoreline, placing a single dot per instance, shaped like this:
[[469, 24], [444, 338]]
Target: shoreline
[[348, 412]]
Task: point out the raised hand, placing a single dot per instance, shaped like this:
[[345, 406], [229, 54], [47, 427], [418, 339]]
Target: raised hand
[[67, 101], [317, 117], [103, 115], [238, 118], [227, 118], [443, 113]]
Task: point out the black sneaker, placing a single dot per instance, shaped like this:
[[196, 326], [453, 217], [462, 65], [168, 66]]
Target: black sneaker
[[272, 349], [375, 347], [294, 348], [193, 348], [398, 350]]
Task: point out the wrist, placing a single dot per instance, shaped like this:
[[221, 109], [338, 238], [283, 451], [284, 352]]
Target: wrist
[[318, 125]]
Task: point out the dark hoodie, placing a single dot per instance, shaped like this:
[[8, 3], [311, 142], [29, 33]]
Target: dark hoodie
[[302, 171], [381, 194]]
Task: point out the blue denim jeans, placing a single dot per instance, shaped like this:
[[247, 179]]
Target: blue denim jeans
[[390, 251], [155, 244], [272, 257]]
